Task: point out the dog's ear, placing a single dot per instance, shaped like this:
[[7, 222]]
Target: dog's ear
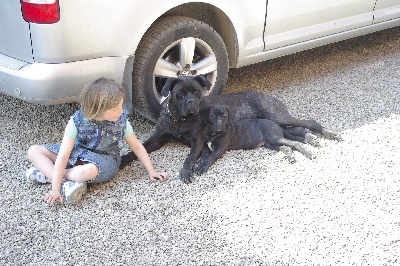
[[169, 84], [209, 109], [203, 81], [227, 113]]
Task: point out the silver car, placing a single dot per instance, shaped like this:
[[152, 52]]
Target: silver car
[[50, 49]]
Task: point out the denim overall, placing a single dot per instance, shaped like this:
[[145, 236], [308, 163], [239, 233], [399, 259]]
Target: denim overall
[[97, 143]]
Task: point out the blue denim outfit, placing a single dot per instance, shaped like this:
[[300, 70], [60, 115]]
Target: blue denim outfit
[[97, 143]]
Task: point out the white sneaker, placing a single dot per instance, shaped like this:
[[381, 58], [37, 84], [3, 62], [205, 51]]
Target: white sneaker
[[33, 175], [73, 191]]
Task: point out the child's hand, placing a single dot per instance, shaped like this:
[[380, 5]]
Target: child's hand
[[53, 196], [159, 176]]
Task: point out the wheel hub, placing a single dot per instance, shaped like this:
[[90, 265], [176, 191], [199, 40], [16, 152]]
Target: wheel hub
[[186, 71]]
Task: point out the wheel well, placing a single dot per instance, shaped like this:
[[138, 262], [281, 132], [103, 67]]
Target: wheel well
[[214, 17]]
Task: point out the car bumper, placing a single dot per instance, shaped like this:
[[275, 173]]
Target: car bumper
[[55, 83]]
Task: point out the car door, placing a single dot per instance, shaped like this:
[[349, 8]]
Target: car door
[[386, 10], [292, 21]]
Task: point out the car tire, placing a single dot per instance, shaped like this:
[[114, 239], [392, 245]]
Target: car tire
[[172, 47]]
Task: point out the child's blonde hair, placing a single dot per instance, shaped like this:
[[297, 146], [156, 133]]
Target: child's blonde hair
[[99, 96]]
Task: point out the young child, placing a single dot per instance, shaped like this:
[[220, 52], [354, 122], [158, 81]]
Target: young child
[[89, 151]]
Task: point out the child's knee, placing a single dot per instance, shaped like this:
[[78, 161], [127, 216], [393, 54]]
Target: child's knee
[[33, 151], [91, 171]]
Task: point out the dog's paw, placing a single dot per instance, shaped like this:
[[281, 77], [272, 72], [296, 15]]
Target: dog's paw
[[330, 134], [291, 159], [312, 140], [186, 176], [201, 169]]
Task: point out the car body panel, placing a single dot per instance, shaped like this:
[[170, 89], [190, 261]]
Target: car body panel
[[386, 10], [51, 47], [292, 21], [290, 49], [105, 29], [248, 21], [58, 83], [15, 40]]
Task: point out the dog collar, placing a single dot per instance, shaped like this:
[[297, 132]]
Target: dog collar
[[173, 118]]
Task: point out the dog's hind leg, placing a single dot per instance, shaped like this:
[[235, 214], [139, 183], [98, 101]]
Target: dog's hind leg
[[287, 120], [301, 134], [296, 131], [288, 152], [297, 137], [285, 149], [296, 145]]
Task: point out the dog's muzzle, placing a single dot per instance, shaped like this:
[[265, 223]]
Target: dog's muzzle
[[190, 107]]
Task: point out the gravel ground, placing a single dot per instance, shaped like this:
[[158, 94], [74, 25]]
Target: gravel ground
[[252, 207]]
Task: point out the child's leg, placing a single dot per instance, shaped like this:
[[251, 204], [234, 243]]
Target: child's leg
[[43, 159], [82, 173]]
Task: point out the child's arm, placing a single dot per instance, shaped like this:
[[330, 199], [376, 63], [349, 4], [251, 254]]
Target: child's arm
[[137, 147], [59, 168]]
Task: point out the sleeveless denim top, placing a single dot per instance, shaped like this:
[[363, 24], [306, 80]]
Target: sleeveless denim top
[[98, 137]]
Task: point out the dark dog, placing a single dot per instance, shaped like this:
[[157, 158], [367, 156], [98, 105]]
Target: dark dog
[[251, 105], [224, 135], [179, 121]]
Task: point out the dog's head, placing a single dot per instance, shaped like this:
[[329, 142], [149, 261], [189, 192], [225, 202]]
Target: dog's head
[[185, 93], [218, 119]]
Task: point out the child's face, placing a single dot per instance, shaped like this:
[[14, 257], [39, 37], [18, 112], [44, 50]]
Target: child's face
[[112, 114]]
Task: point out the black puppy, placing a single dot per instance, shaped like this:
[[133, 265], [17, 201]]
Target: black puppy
[[250, 105], [178, 121], [223, 135]]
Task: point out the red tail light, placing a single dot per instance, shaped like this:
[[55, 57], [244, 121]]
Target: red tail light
[[40, 11]]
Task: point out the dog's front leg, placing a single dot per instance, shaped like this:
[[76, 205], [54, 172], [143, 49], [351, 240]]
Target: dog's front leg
[[127, 159], [219, 146], [186, 174], [156, 141], [153, 143], [204, 153], [206, 162]]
